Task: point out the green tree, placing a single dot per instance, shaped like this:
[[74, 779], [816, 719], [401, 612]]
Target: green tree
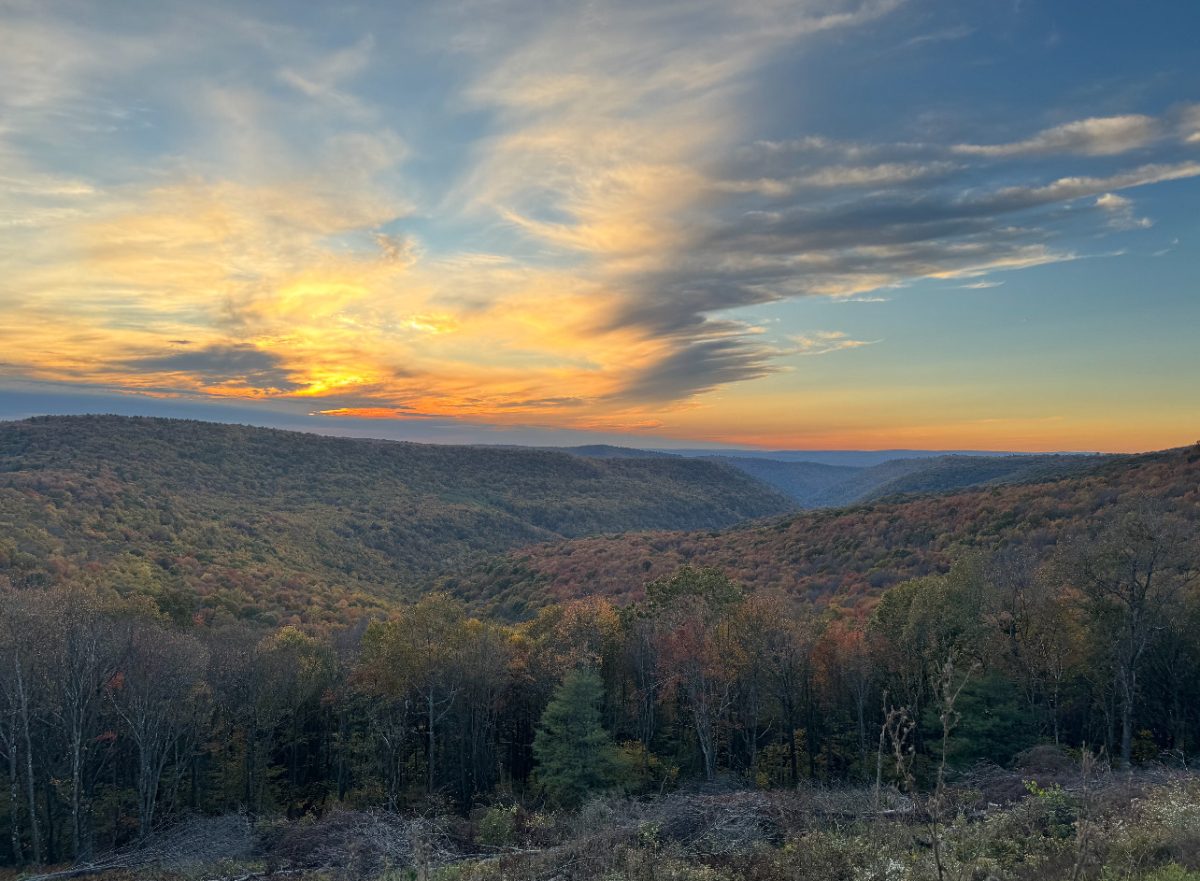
[[575, 755]]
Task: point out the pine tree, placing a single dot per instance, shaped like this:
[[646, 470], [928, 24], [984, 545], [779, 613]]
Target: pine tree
[[575, 755]]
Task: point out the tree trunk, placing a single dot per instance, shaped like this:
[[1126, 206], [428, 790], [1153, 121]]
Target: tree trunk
[[432, 741], [810, 727], [14, 792], [35, 837], [150, 771], [710, 768], [342, 747], [1127, 688], [250, 791], [861, 712], [793, 758], [52, 848], [704, 734], [76, 791]]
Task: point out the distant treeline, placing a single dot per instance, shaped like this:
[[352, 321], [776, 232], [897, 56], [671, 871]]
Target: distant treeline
[[116, 719]]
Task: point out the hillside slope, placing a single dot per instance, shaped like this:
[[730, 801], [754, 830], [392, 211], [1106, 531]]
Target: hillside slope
[[814, 485], [817, 484], [264, 522], [808, 484], [948, 473], [838, 555]]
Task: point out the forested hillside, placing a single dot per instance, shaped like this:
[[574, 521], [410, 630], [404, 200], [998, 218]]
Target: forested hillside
[[815, 485], [274, 524], [839, 555], [154, 675], [808, 484], [946, 473], [818, 484]]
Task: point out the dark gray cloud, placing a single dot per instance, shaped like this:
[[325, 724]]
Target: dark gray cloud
[[817, 217], [908, 215], [777, 244], [237, 363], [698, 367]]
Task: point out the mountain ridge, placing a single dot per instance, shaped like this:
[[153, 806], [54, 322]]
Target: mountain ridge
[[814, 484], [301, 523], [840, 556]]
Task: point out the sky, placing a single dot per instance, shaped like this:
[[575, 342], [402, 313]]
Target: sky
[[802, 224]]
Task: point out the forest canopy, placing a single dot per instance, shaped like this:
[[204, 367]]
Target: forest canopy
[[139, 719]]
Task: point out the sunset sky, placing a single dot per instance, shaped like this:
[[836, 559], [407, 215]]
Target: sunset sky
[[944, 224]]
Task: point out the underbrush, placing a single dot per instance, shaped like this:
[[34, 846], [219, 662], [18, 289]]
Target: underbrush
[[993, 826]]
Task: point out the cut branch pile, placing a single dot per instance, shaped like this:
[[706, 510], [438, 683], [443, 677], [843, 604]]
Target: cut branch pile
[[197, 841]]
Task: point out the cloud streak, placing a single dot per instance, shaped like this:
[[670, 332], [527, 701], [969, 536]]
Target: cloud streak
[[1096, 136], [822, 342]]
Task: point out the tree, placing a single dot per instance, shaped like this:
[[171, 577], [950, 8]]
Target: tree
[[1033, 628], [699, 652], [575, 755], [422, 649], [160, 695], [846, 666], [300, 669], [1128, 576], [87, 645], [23, 675], [485, 659], [385, 687], [788, 646]]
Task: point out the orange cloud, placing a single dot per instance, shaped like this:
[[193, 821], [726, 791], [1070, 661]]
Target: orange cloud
[[225, 290]]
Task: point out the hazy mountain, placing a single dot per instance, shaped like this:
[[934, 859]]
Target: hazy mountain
[[607, 451], [853, 458], [809, 484], [817, 484]]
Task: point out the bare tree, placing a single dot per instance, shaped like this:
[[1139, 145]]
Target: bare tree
[[159, 693], [21, 668], [86, 644]]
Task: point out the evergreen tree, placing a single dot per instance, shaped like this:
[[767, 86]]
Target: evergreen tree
[[575, 755]]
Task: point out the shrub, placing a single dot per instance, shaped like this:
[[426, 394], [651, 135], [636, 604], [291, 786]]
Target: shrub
[[498, 827]]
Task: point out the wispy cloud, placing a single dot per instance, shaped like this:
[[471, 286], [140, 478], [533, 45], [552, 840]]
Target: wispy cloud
[[1189, 124], [1120, 212], [822, 342], [842, 176], [1096, 136], [954, 32], [323, 79]]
